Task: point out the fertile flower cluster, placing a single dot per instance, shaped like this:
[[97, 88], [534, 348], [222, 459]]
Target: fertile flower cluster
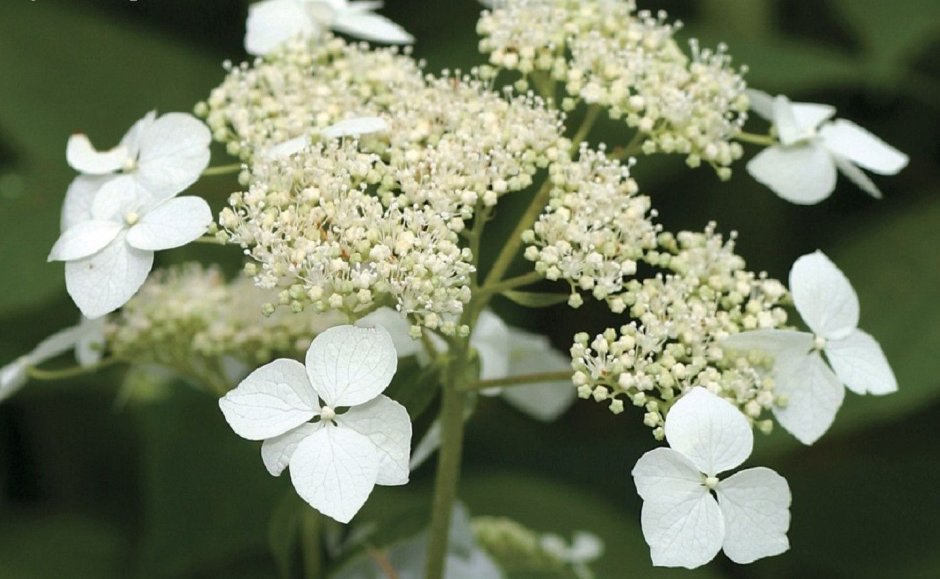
[[678, 317], [524, 551], [608, 54], [594, 228], [191, 320]]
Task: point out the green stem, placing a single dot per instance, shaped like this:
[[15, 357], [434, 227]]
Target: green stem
[[508, 252], [586, 125], [765, 140], [209, 240], [512, 283], [520, 380], [40, 374], [310, 543], [222, 170]]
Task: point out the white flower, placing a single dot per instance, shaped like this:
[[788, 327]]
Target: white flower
[[87, 339], [813, 393], [683, 523], [272, 22], [109, 249], [585, 548], [159, 157], [802, 168], [355, 127], [361, 438]]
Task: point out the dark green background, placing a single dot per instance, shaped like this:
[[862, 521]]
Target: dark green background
[[90, 488]]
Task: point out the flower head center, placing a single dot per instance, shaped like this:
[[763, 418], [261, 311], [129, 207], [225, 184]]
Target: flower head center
[[131, 218], [819, 343], [130, 165], [711, 482], [327, 413]]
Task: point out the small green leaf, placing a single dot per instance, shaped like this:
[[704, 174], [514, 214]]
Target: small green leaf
[[535, 299], [414, 387]]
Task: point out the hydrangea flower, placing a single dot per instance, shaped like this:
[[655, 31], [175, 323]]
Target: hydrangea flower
[[87, 338], [802, 168], [357, 438], [811, 390], [272, 22], [688, 513], [158, 157], [108, 251]]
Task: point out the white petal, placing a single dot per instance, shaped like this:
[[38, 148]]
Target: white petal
[[491, 340], [79, 197], [397, 327], [13, 377], [270, 401], [334, 470], [91, 342], [287, 148], [355, 127], [131, 139], [56, 344], [276, 452], [756, 508], [813, 394], [532, 353], [811, 115], [789, 129], [173, 223], [82, 156], [803, 174], [761, 103], [272, 22], [174, 151], [851, 141], [84, 239], [823, 296], [663, 473], [371, 27], [105, 281], [349, 365], [386, 423], [118, 198], [857, 176], [685, 530], [861, 365], [774, 342], [709, 431]]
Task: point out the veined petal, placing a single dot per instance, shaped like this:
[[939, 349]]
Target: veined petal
[[857, 176], [491, 341], [851, 141], [683, 530], [386, 423], [397, 327], [371, 27], [823, 296], [271, 401], [84, 239], [79, 198], [174, 151], [103, 282], [272, 22], [348, 366], [803, 174], [84, 158], [118, 198], [276, 452], [755, 504], [773, 342], [709, 431], [861, 365], [813, 396], [173, 223], [334, 470], [355, 127], [663, 472]]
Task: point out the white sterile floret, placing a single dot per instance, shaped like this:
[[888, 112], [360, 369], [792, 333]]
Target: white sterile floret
[[811, 392], [683, 523], [273, 22], [355, 127], [360, 437], [109, 247], [87, 339], [158, 157], [802, 168]]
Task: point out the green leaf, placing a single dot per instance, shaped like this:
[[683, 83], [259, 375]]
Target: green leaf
[[283, 531], [535, 299], [414, 387]]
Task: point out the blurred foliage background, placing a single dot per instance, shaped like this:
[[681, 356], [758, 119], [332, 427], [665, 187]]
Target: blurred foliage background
[[96, 486]]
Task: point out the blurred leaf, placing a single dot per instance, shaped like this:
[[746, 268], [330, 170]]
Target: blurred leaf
[[893, 32], [66, 69], [44, 546], [414, 387], [283, 531], [535, 299], [549, 506]]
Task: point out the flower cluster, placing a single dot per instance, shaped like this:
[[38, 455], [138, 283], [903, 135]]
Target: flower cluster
[[671, 344], [594, 228], [627, 61]]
